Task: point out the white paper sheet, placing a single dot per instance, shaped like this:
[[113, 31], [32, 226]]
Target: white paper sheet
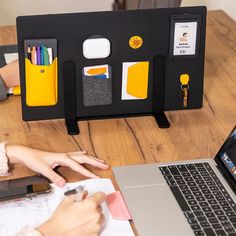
[[9, 57], [15, 215]]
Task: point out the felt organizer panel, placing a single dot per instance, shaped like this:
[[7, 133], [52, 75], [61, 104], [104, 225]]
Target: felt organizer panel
[[145, 44], [97, 85], [41, 72]]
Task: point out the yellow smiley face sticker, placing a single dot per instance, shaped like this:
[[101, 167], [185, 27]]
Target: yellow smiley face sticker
[[135, 42]]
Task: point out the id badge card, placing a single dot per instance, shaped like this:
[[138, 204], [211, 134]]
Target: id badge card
[[185, 36]]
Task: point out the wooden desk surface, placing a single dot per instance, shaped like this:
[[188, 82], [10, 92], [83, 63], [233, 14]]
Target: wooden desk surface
[[193, 134]]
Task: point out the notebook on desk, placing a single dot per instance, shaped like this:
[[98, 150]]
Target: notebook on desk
[[195, 197], [33, 212]]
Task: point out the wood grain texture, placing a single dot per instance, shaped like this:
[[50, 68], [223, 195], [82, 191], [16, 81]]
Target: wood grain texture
[[193, 134]]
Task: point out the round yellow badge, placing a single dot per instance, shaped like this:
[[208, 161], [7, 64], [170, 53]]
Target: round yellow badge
[[135, 42]]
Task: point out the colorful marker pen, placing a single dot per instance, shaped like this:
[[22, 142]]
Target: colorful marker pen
[[38, 56]]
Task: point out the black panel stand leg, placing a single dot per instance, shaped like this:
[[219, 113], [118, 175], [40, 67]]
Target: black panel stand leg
[[69, 78], [159, 92], [162, 120]]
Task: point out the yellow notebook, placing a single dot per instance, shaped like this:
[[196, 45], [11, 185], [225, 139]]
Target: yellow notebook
[[137, 80]]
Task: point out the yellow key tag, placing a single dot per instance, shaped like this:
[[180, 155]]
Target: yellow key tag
[[184, 79]]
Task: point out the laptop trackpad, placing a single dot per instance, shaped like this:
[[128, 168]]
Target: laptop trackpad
[[155, 211]]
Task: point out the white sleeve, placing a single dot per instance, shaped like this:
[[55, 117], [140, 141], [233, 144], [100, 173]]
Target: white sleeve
[[28, 231], [3, 160]]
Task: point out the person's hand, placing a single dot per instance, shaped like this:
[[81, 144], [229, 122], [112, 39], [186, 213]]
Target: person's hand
[[74, 218], [44, 162], [10, 74]]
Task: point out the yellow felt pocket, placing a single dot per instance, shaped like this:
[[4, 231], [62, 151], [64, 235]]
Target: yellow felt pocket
[[137, 82], [41, 84]]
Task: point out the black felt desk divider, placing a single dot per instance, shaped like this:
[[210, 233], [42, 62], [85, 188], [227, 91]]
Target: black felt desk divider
[[154, 26]]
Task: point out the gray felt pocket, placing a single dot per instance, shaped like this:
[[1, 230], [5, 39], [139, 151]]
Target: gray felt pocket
[[97, 91]]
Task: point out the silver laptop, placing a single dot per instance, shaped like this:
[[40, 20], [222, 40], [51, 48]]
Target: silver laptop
[[194, 197]]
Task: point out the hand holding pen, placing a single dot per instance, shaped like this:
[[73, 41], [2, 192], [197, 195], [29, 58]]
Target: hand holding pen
[[76, 215]]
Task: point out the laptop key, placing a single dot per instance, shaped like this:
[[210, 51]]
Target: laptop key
[[202, 219], [186, 192], [222, 218], [192, 221], [200, 181], [220, 232], [186, 174], [225, 208], [200, 199], [198, 213], [207, 178], [178, 177], [226, 224], [212, 202], [195, 227], [203, 204], [233, 220], [230, 214], [216, 226], [194, 188], [213, 188], [206, 191], [192, 202], [173, 170], [197, 177], [194, 172], [167, 177], [206, 209], [198, 232], [209, 214], [203, 186], [190, 167], [219, 212], [197, 194], [209, 197], [210, 183], [191, 184], [199, 165], [171, 182], [195, 208], [213, 221], [220, 198], [216, 207], [188, 179], [205, 174], [205, 224], [207, 165], [234, 224], [189, 214], [230, 229], [202, 169], [209, 232], [180, 182], [224, 203], [183, 187], [182, 168]]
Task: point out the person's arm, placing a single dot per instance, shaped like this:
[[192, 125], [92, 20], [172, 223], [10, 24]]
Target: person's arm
[[44, 162], [9, 77], [10, 74]]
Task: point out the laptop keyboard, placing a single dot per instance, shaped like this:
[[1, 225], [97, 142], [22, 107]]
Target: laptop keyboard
[[206, 204]]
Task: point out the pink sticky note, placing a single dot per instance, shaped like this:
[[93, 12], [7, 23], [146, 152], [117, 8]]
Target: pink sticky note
[[117, 206]]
